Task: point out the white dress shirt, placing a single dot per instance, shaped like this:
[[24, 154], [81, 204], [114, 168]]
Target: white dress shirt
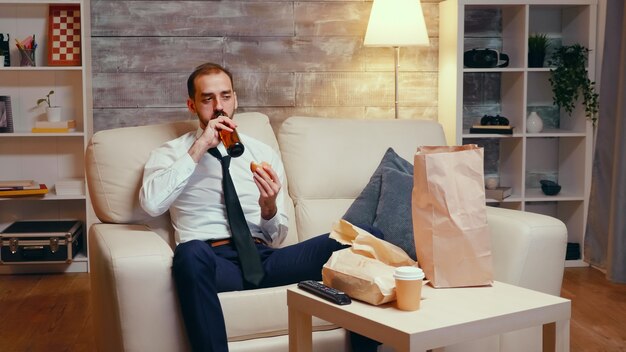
[[193, 192]]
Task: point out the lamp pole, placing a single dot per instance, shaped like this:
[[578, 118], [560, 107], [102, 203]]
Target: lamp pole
[[397, 68], [396, 23]]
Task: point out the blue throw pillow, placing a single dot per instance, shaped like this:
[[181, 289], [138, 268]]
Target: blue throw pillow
[[363, 209], [393, 215]]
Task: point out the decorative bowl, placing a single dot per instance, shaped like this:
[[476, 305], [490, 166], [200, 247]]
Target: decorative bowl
[[550, 188]]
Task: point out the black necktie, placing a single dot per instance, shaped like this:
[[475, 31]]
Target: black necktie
[[248, 255]]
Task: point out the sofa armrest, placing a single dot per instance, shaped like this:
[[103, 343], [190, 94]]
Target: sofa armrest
[[528, 249], [133, 294]]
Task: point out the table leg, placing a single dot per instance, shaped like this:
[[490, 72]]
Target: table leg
[[549, 337], [300, 331]]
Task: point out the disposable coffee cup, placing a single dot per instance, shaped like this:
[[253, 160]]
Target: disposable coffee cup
[[408, 287]]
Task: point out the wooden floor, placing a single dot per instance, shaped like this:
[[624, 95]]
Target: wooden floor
[[52, 312], [598, 321]]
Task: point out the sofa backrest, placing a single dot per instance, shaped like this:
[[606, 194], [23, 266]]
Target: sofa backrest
[[329, 161], [114, 166]]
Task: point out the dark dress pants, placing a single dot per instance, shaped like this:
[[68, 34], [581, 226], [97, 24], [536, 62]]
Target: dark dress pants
[[201, 271]]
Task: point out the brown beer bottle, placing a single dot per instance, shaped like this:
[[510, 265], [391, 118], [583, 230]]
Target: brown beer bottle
[[231, 141]]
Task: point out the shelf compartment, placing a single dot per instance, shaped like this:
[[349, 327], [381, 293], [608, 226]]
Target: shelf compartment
[[572, 213], [25, 19], [24, 209], [44, 160], [557, 159], [492, 93], [503, 158], [540, 100], [499, 27], [564, 24], [25, 87]]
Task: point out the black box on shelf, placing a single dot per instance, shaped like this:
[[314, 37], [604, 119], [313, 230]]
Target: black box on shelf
[[573, 251], [41, 242]]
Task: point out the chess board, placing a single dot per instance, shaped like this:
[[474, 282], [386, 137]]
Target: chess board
[[64, 35]]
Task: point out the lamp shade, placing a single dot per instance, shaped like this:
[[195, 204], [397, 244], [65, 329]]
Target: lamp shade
[[396, 23]]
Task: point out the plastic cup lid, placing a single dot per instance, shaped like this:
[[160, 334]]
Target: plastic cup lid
[[408, 273]]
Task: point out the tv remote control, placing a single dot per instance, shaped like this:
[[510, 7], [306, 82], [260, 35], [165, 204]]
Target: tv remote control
[[328, 293]]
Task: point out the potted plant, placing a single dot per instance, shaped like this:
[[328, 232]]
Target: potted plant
[[53, 112], [538, 44], [569, 80]]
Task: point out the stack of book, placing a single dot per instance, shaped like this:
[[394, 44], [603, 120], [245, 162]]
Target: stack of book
[[499, 193], [22, 188], [70, 187], [54, 126], [491, 129]]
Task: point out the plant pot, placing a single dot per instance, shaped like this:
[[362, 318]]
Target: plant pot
[[54, 113], [535, 59]]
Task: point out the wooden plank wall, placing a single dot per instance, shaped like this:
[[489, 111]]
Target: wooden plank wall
[[288, 58]]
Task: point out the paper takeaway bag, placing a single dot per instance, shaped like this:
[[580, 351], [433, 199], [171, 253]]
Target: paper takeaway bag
[[452, 238], [364, 271]]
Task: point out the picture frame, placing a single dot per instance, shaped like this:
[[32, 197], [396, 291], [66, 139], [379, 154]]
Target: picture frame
[[64, 35], [4, 49], [6, 114]]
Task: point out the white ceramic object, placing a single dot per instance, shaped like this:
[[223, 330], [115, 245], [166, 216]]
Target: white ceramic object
[[1, 60], [534, 123], [491, 182], [54, 113]]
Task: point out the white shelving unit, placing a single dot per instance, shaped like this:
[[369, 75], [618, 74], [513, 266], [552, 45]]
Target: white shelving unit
[[44, 157], [563, 150]]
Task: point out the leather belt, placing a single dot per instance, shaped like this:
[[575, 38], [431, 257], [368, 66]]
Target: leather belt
[[217, 243]]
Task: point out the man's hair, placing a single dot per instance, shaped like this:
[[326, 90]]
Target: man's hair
[[205, 69]]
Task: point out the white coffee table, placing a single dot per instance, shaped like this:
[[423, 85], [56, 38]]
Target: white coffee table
[[446, 317]]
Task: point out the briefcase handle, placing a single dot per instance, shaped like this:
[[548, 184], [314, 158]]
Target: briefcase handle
[[32, 252]]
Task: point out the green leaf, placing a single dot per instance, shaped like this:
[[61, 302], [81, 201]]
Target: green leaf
[[569, 80]]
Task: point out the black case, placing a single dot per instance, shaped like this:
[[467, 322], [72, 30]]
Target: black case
[[39, 242]]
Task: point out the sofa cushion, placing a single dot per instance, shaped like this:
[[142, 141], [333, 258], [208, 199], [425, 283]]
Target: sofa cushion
[[114, 175], [259, 313], [393, 214], [363, 209], [330, 166]]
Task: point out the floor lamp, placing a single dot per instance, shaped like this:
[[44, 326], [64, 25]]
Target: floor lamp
[[396, 23]]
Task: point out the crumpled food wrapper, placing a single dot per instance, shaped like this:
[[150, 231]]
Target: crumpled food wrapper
[[365, 270]]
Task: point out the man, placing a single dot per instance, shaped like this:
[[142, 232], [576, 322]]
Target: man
[[182, 177]]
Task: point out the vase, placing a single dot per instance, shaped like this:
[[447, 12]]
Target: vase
[[534, 123], [54, 113]]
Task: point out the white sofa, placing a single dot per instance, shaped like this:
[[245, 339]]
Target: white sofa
[[328, 162]]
